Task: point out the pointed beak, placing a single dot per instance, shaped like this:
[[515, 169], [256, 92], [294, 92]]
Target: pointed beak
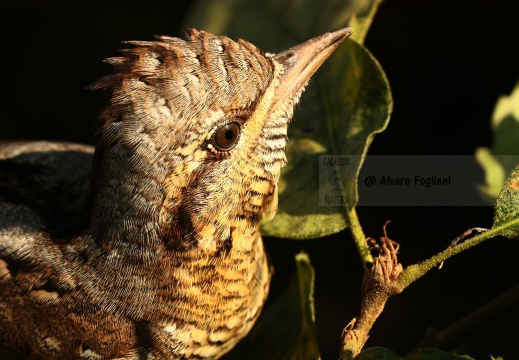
[[302, 61]]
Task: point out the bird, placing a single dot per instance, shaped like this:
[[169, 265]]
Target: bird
[[147, 244]]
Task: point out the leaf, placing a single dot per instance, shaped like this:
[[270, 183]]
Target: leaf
[[494, 174], [379, 353], [350, 104], [362, 18], [499, 160], [277, 25], [286, 329], [346, 103], [507, 208]]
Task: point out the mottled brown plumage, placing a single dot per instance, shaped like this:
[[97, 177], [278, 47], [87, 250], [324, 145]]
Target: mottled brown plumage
[[149, 247]]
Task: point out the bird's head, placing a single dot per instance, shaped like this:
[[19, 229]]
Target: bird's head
[[198, 129]]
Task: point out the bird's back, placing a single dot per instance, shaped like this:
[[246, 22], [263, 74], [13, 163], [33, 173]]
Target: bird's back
[[48, 178], [42, 197]]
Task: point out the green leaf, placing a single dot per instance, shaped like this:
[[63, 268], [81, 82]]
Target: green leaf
[[507, 208], [345, 104], [499, 160], [362, 18], [379, 353], [274, 25], [350, 103], [286, 329], [494, 175]]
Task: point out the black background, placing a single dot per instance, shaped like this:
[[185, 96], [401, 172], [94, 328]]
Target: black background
[[447, 62]]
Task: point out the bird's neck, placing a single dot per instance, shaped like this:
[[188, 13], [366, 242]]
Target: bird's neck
[[126, 196], [127, 227], [132, 207]]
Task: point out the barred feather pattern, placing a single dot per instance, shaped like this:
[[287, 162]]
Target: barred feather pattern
[[147, 247]]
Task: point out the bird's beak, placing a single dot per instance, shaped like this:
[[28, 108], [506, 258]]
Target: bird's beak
[[302, 61]]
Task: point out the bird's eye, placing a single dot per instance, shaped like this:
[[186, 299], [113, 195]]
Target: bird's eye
[[226, 137]]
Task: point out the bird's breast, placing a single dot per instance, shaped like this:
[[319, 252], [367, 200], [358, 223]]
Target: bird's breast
[[215, 300]]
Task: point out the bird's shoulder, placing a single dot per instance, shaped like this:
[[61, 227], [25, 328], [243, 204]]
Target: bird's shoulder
[[50, 178], [41, 196]]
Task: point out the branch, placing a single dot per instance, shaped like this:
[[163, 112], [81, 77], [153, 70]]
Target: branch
[[386, 278], [378, 286]]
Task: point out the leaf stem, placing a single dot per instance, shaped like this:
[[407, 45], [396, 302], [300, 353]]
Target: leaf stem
[[358, 236], [416, 271]]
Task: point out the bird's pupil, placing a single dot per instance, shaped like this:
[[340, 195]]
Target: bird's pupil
[[229, 134]]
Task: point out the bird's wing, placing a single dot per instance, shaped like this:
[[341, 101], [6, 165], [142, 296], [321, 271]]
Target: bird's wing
[[42, 188]]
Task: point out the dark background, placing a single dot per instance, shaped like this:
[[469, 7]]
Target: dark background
[[447, 62]]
